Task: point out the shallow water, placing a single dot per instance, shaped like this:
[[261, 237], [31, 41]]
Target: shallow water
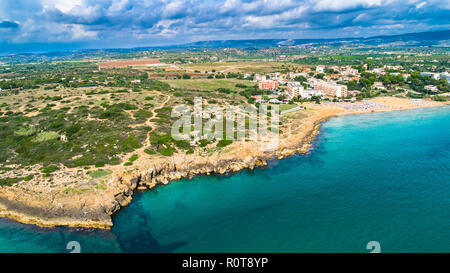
[[375, 177]]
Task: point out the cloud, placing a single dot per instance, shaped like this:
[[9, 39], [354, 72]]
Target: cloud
[[80, 33], [9, 24], [155, 22], [62, 5], [421, 4], [332, 5]]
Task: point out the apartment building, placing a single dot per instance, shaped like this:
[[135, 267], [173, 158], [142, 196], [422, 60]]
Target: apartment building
[[295, 89], [308, 93], [258, 78], [330, 89], [268, 84]]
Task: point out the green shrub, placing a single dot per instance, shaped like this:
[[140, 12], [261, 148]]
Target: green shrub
[[142, 115], [49, 169], [56, 98], [114, 161], [437, 98], [26, 131], [100, 164], [131, 142], [223, 143], [182, 144], [28, 177], [168, 151], [157, 139], [223, 90], [127, 106], [46, 136], [204, 142], [149, 151], [98, 173], [133, 158], [8, 181], [73, 129]]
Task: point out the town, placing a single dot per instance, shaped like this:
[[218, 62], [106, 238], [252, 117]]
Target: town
[[317, 84]]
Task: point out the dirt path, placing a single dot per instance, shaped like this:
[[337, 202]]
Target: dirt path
[[146, 144], [149, 121]]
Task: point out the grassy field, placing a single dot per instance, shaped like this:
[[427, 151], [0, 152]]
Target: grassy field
[[243, 67], [208, 84], [284, 107]]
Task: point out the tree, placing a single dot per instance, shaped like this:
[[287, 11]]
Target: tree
[[320, 76], [300, 78]]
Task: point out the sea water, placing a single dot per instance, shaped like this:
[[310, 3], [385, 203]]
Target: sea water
[[381, 177]]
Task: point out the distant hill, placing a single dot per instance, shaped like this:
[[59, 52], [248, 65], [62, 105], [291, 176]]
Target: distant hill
[[415, 39], [431, 38]]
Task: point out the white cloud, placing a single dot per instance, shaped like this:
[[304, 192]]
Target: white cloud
[[80, 33], [174, 8], [418, 6], [333, 5], [64, 6], [117, 6], [275, 20], [362, 17]]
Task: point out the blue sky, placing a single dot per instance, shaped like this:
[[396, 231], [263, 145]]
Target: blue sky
[[69, 24]]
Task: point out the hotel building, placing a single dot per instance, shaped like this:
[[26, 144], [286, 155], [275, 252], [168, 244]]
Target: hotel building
[[268, 84], [331, 89], [295, 89]]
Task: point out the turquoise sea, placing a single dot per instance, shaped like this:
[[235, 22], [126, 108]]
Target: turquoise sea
[[381, 177]]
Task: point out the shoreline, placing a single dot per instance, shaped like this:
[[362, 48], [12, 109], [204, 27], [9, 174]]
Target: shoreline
[[98, 214]]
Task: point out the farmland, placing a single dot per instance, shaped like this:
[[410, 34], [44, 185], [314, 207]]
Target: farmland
[[208, 84], [240, 67]]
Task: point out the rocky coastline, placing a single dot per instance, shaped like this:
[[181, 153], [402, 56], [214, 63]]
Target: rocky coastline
[[96, 209], [99, 216]]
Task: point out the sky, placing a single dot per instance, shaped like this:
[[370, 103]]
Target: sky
[[73, 24]]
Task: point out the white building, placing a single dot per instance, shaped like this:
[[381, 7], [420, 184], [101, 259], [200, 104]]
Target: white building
[[320, 69], [295, 89], [276, 101], [293, 75], [378, 85], [446, 76], [258, 78], [330, 89], [308, 93], [379, 70], [431, 88], [349, 71], [435, 76], [275, 76]]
